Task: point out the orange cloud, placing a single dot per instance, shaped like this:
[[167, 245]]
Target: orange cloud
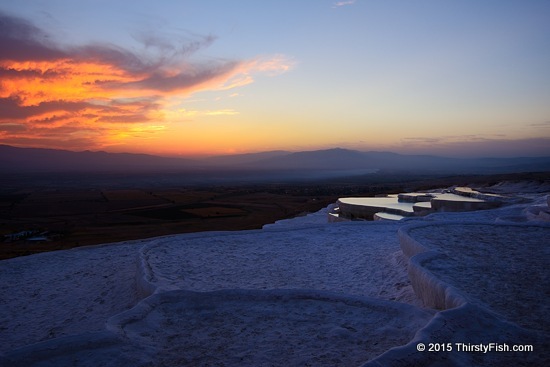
[[35, 82], [100, 93]]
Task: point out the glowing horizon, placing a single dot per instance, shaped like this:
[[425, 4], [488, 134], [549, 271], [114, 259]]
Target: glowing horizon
[[196, 79]]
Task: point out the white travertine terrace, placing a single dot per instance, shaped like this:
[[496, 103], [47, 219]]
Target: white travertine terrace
[[414, 204], [297, 292]]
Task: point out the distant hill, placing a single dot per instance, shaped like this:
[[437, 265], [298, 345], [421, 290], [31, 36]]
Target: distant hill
[[243, 159], [13, 159], [340, 161], [344, 159]]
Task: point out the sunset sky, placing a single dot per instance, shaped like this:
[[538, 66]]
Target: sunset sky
[[456, 78]]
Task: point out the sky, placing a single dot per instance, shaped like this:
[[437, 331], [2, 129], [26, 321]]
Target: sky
[[456, 78]]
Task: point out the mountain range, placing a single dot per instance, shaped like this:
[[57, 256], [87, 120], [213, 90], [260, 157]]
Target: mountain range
[[345, 161]]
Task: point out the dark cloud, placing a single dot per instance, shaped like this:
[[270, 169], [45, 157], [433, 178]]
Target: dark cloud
[[22, 41], [125, 111], [163, 82], [183, 46], [112, 55], [12, 128], [38, 141], [124, 118], [169, 56], [65, 131], [11, 108], [51, 119], [27, 73]]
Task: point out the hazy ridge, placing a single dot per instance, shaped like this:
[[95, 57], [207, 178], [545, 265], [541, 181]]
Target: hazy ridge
[[38, 160]]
